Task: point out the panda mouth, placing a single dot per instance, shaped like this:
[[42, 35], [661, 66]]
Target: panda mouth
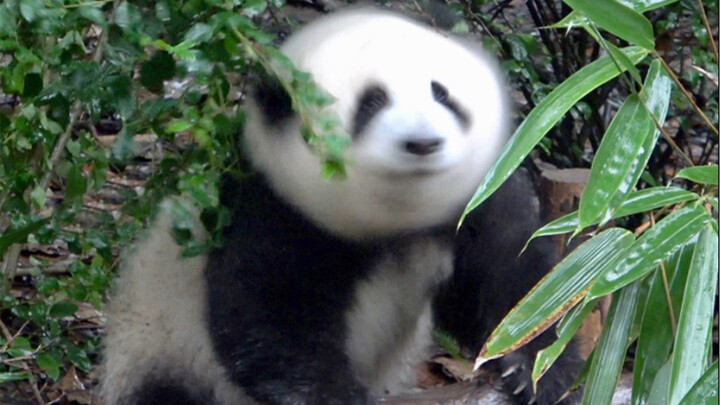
[[407, 166], [419, 171]]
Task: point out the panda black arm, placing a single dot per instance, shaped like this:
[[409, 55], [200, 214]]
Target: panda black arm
[[275, 291], [277, 367], [491, 276]]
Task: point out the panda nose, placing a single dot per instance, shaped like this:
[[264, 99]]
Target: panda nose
[[423, 147]]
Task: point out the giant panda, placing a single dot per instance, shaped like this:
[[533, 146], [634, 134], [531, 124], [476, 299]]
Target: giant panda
[[327, 290]]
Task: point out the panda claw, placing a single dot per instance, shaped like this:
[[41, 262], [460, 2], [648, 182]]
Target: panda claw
[[520, 388], [510, 370], [533, 400]]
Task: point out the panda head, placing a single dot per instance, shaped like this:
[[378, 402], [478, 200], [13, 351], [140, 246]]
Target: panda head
[[426, 115]]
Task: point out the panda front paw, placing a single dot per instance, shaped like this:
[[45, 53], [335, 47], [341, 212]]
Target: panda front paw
[[515, 376], [553, 388]]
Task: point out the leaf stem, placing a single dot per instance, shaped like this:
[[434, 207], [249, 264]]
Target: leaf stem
[[687, 94], [709, 30]]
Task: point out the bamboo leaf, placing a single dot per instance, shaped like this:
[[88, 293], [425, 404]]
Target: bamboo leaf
[[653, 198], [659, 389], [567, 328], [638, 201], [694, 337], [655, 96], [646, 5], [564, 286], [619, 56], [614, 159], [610, 351], [625, 148], [576, 18], [617, 19], [656, 332], [657, 244], [700, 174], [544, 116], [566, 223], [705, 391]]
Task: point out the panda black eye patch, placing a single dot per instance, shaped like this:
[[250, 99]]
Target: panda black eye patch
[[442, 96], [372, 100], [272, 99]]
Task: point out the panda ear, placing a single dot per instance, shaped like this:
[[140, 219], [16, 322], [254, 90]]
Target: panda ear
[[272, 99]]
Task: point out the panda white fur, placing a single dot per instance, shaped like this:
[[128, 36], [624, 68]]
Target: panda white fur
[[327, 290]]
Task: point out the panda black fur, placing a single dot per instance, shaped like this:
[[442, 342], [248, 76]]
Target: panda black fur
[[327, 290]]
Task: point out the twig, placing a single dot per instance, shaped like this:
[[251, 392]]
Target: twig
[[31, 378], [675, 147], [686, 93], [666, 287], [703, 15], [10, 338], [5, 331]]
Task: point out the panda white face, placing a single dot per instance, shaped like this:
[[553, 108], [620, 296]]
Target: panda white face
[[408, 133], [427, 116]]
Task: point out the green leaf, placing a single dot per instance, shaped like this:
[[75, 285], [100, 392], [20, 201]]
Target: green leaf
[[567, 328], [199, 33], [655, 95], [652, 198], [48, 285], [62, 309], [124, 143], [694, 334], [705, 391], [20, 347], [614, 159], [544, 116], [94, 14], [609, 353], [78, 356], [639, 201], [646, 5], [13, 376], [31, 9], [128, 16], [564, 286], [49, 364], [8, 20], [184, 50], [38, 197], [76, 184], [621, 59], [19, 235], [656, 244], [700, 174], [178, 126], [202, 186], [618, 19], [616, 168], [566, 223], [59, 110], [252, 8], [656, 331], [659, 389]]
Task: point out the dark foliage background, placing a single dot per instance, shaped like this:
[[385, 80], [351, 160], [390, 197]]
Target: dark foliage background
[[106, 107]]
